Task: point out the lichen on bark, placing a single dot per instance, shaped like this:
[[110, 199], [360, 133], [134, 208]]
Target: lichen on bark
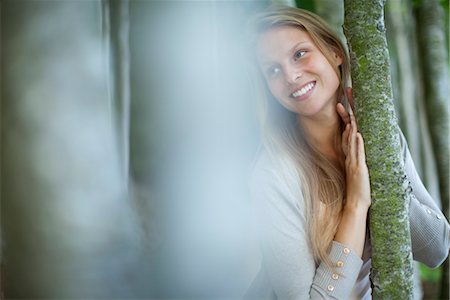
[[375, 112]]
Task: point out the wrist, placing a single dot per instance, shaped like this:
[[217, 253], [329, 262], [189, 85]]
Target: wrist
[[351, 230], [356, 208]]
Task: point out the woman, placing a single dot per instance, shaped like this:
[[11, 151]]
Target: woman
[[310, 183]]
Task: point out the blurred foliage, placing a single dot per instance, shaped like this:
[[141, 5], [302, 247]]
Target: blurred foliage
[[431, 280], [430, 275], [306, 4]]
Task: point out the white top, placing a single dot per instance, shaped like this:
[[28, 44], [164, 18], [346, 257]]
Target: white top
[[288, 270]]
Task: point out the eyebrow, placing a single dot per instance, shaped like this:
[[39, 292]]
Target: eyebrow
[[264, 63]]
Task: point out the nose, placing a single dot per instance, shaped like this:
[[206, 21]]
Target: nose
[[292, 74]]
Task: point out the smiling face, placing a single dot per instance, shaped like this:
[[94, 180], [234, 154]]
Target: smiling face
[[297, 73]]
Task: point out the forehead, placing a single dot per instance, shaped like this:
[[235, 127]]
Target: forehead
[[278, 41]]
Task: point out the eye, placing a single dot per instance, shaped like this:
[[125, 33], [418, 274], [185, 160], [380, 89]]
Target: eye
[[299, 54], [272, 71]]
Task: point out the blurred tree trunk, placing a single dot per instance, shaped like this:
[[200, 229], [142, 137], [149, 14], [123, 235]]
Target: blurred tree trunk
[[117, 19], [410, 102], [67, 226], [285, 2], [389, 222], [332, 11], [434, 62], [405, 82]]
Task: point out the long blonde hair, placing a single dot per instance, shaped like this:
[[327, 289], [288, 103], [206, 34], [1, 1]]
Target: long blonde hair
[[322, 184]]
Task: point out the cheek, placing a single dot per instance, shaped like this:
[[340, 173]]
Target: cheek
[[278, 91], [333, 78], [326, 68], [311, 65], [275, 87], [318, 66]]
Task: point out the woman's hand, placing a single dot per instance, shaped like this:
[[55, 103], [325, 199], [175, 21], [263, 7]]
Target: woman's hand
[[352, 228], [345, 116], [357, 174]]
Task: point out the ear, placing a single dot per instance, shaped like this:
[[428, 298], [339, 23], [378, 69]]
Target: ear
[[337, 59]]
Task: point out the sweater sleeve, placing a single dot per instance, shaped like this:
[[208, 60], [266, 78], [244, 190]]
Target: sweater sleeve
[[287, 256], [430, 230]]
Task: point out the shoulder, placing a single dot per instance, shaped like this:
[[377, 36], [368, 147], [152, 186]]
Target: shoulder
[[273, 169], [274, 179]]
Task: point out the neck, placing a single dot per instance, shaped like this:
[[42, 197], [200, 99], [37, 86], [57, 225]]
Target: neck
[[322, 132]]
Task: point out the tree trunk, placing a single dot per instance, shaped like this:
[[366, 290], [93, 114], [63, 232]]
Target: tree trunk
[[375, 111], [435, 75], [68, 230], [118, 26]]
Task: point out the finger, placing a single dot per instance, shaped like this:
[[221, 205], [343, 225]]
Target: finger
[[346, 133], [345, 139], [349, 92], [361, 150], [345, 116], [353, 122], [352, 143]]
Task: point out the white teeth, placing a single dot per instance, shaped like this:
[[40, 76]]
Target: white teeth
[[304, 90]]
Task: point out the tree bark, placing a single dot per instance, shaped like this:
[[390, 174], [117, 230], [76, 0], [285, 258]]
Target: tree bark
[[429, 15], [391, 193]]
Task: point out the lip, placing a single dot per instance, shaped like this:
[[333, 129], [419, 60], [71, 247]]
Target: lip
[[307, 94]]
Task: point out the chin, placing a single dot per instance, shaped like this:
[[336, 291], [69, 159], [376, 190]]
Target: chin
[[315, 109], [308, 113]]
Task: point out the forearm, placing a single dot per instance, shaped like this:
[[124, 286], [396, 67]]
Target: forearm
[[352, 229], [430, 230]]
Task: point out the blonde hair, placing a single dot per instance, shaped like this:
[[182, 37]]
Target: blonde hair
[[322, 184]]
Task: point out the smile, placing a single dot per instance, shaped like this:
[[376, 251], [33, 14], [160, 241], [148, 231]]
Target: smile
[[304, 90]]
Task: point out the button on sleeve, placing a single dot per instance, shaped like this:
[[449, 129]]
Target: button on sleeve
[[338, 284]]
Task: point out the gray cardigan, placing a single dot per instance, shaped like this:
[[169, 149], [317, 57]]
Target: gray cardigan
[[288, 270]]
